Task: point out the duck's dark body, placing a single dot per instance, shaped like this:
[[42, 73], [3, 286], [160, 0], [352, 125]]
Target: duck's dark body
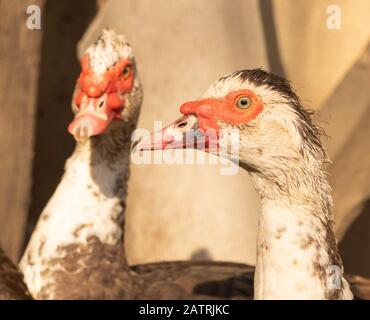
[[104, 278], [195, 280], [100, 271], [360, 286], [12, 286], [213, 280]]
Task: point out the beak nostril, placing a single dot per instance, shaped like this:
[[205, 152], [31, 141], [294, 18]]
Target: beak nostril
[[135, 143], [101, 104], [182, 124]]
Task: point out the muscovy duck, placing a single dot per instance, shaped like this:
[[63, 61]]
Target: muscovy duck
[[280, 146]]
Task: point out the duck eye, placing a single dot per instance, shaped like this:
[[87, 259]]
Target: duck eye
[[126, 72], [244, 102]]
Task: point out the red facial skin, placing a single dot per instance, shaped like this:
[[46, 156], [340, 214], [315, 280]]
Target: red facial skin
[[113, 81], [210, 111], [98, 99]]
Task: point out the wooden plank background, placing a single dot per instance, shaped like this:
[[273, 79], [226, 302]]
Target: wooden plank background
[[19, 61]]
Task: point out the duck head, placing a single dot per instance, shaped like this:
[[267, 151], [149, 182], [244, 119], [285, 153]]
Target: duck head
[[108, 89], [264, 111]]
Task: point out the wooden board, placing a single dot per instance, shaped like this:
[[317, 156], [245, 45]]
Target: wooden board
[[19, 62]]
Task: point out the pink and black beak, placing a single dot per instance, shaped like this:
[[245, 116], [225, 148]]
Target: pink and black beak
[[93, 118], [184, 133]]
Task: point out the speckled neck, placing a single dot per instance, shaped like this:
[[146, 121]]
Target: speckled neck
[[79, 238], [297, 254]]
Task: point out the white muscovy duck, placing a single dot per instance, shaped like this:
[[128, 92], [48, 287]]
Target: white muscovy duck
[[297, 253], [12, 286], [77, 249]]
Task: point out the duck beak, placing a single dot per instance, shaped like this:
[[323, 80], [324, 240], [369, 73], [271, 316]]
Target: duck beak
[[184, 133], [92, 119]]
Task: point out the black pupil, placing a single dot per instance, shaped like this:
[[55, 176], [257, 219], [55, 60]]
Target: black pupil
[[244, 102]]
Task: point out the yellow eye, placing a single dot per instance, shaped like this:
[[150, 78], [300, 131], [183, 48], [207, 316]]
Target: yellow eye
[[126, 71], [244, 102]]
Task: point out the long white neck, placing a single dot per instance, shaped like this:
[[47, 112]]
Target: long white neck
[[81, 227], [297, 254]]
